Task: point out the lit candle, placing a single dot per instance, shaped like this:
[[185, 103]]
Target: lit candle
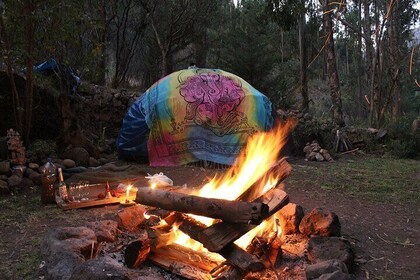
[[127, 194]]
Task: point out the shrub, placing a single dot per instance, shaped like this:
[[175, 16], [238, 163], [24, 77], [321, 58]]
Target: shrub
[[41, 149]]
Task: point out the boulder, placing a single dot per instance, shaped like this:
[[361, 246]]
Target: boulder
[[321, 248], [79, 155], [69, 163], [105, 230], [289, 217], [130, 218], [336, 275], [93, 162], [314, 271], [65, 248], [34, 176], [101, 268], [33, 165], [320, 222], [14, 181]]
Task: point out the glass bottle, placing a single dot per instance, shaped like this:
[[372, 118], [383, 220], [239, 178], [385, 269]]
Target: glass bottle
[[61, 192], [48, 178]]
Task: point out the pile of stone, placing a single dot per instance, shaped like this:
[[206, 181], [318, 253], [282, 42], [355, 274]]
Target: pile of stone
[[26, 177], [310, 247], [314, 152]]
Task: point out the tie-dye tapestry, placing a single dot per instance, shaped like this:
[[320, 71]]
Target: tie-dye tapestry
[[193, 115]]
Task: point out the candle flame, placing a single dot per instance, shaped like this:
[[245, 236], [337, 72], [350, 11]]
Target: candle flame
[[127, 194]]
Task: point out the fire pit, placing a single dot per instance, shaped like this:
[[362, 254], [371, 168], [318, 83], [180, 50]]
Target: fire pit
[[238, 226]]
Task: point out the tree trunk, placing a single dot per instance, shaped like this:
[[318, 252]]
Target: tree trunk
[[368, 43], [29, 10], [332, 72], [395, 58], [359, 62], [303, 62]]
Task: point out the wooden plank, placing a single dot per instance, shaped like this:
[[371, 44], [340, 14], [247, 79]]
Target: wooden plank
[[93, 199]]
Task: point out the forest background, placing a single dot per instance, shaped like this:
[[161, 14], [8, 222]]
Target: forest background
[[347, 63]]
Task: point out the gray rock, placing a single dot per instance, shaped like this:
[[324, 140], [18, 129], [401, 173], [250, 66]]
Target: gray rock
[[321, 248], [93, 162], [103, 161], [289, 217], [79, 155], [336, 275], [65, 248], [101, 268], [14, 181], [74, 170], [34, 176], [105, 230], [69, 163], [320, 222], [33, 165], [316, 270], [4, 167]]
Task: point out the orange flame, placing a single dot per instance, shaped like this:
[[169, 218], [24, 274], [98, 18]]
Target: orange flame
[[255, 160]]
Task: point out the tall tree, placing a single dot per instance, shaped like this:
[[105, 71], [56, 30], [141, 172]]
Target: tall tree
[[332, 72]]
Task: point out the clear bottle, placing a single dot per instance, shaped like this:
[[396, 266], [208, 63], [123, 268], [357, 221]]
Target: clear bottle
[[48, 178], [61, 191]]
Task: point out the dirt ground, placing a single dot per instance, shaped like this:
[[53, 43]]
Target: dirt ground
[[384, 235]]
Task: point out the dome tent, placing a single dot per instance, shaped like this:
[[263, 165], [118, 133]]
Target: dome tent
[[194, 115]]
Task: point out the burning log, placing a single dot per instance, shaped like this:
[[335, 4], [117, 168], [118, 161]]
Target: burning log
[[226, 210], [183, 261], [232, 253], [219, 235], [280, 170], [137, 251]]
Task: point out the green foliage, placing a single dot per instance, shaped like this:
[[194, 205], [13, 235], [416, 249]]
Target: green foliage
[[311, 129], [404, 142], [41, 149]]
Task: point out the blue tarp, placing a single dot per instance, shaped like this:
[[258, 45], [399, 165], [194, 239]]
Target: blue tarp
[[51, 66]]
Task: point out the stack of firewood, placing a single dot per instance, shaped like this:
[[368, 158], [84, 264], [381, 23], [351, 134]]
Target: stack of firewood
[[314, 152], [15, 148], [236, 218]]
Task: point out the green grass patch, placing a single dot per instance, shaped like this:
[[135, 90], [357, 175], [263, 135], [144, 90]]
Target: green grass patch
[[377, 178]]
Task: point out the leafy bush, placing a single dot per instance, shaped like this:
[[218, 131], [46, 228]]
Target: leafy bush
[[41, 149], [404, 143], [313, 129]]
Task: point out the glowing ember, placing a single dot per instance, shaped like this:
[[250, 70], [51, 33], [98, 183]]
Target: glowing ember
[[260, 154]]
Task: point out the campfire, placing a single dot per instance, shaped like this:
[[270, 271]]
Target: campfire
[[225, 216], [230, 227]]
